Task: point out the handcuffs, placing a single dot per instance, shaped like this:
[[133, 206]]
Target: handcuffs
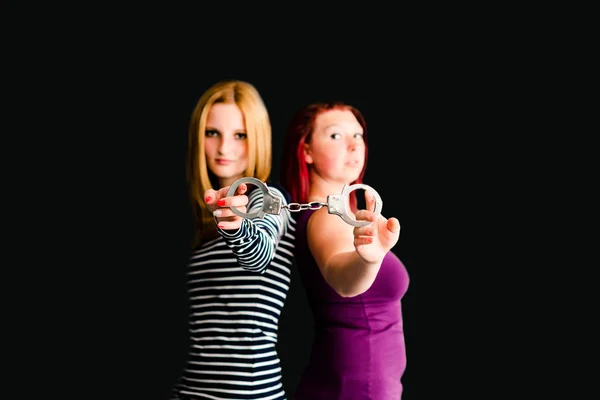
[[336, 204]]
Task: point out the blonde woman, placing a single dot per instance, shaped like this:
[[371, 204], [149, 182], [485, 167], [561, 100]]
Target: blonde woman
[[239, 269]]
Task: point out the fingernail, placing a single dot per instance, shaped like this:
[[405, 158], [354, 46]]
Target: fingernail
[[217, 213], [208, 198], [221, 202], [221, 226]]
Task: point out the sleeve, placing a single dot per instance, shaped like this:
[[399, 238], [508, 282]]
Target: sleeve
[[255, 242]]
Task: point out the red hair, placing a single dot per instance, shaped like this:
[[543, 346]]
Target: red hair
[[294, 170]]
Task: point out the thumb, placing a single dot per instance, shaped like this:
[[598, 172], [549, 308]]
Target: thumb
[[393, 225]]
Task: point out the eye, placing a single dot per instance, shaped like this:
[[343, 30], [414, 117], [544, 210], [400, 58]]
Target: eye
[[241, 136], [359, 136], [335, 136], [211, 133]]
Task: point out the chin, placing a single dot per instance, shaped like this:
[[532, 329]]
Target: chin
[[353, 178]]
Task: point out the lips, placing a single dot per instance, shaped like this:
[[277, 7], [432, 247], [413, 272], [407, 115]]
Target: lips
[[223, 161]]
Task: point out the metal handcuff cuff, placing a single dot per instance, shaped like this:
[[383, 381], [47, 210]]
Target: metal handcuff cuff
[[336, 204]]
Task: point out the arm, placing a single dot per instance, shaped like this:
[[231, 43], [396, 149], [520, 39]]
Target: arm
[[350, 257], [255, 241]]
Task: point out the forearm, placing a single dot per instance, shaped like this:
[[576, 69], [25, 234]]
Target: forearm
[[349, 275], [252, 245]]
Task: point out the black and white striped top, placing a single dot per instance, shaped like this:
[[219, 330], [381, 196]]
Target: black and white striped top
[[237, 286]]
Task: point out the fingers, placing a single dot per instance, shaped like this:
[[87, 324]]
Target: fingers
[[226, 212], [393, 225], [233, 201], [237, 200], [241, 189], [369, 200], [219, 198], [227, 219], [364, 235], [210, 196], [219, 204], [230, 225], [366, 215], [363, 240], [369, 230], [372, 232]]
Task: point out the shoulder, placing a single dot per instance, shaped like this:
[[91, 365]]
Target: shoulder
[[327, 227]]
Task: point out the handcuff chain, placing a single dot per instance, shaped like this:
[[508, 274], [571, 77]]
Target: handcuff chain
[[313, 205]]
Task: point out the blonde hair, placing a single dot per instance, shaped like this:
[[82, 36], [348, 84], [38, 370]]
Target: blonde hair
[[258, 130]]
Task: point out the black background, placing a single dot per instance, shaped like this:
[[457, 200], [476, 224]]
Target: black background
[[458, 115]]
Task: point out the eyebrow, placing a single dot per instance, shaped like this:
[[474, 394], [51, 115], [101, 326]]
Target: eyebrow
[[212, 128], [339, 126]]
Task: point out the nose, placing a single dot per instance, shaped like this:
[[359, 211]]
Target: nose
[[352, 145], [224, 145]]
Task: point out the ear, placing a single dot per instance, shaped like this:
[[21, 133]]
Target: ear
[[307, 156]]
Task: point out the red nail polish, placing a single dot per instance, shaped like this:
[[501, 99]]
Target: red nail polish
[[221, 202], [220, 226], [208, 198]]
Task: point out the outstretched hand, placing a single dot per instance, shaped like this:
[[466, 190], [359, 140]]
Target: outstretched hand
[[372, 242], [218, 203]]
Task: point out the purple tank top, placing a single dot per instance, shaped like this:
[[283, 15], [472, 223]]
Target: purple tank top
[[358, 350]]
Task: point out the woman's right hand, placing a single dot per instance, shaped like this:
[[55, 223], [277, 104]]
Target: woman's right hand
[[218, 203], [373, 241]]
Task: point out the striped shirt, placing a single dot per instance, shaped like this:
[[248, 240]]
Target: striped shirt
[[237, 287]]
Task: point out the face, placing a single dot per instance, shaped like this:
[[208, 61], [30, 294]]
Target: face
[[225, 142], [336, 151]]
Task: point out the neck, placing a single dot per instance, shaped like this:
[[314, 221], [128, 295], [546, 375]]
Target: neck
[[321, 188]]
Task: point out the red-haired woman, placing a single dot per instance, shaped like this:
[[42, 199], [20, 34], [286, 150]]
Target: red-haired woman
[[353, 281]]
